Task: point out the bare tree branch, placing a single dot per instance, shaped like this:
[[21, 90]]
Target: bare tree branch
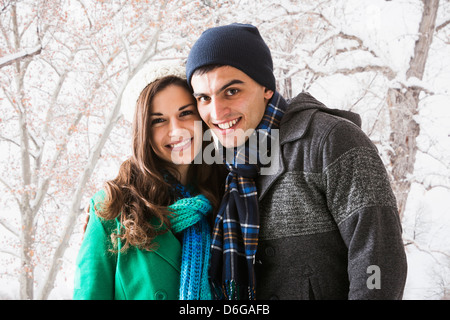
[[9, 227], [385, 70], [442, 25], [23, 54], [431, 252], [10, 252], [345, 36]]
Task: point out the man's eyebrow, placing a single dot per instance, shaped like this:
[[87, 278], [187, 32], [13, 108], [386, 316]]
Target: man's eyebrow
[[235, 81]]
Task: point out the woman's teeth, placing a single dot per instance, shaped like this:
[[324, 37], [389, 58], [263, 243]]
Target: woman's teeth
[[180, 144], [228, 125]]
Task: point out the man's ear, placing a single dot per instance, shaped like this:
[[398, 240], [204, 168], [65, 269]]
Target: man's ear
[[268, 94]]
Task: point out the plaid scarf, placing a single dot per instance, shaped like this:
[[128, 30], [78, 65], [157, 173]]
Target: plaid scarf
[[236, 230]]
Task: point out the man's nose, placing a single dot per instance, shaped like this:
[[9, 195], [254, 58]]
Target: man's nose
[[219, 109]]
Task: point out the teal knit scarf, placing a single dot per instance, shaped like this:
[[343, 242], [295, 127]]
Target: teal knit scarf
[[189, 217]]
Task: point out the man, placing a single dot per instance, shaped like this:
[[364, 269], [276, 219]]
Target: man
[[325, 224]]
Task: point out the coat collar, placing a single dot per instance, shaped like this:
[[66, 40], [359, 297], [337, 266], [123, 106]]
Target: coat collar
[[299, 115], [294, 125]]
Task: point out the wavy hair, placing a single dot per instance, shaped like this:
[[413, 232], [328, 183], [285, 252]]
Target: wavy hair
[[139, 195]]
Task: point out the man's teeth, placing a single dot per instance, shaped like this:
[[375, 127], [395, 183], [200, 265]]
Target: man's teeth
[[227, 125], [180, 144]]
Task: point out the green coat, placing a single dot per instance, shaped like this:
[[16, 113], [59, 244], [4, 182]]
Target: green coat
[[134, 275]]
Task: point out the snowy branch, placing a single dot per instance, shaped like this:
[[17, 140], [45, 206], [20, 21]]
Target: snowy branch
[[345, 36], [9, 227], [442, 25], [388, 72], [429, 251], [412, 83], [26, 53], [14, 254]]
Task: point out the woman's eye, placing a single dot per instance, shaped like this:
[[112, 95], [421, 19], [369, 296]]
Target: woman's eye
[[157, 120], [186, 113]]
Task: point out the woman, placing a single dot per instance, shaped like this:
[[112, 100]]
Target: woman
[[148, 234]]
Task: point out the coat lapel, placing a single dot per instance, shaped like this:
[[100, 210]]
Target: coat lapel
[[265, 181], [293, 127], [169, 248]]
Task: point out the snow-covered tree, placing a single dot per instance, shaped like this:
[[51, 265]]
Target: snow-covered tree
[[64, 65]]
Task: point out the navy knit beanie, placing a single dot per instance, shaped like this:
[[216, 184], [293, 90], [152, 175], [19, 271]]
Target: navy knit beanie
[[237, 45]]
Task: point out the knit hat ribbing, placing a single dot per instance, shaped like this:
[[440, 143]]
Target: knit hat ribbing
[[147, 74], [237, 45]]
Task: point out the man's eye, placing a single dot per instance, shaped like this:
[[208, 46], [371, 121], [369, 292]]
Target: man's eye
[[203, 99], [232, 92]]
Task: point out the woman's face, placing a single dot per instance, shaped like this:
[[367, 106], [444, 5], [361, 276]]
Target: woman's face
[[176, 127]]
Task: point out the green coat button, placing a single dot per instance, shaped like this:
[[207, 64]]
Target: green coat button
[[160, 295]]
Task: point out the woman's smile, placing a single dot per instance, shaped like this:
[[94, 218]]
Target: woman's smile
[[180, 145]]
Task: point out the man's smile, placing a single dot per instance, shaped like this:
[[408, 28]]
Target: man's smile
[[231, 124]]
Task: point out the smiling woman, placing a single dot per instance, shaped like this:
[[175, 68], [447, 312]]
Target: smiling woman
[[175, 135], [148, 234]]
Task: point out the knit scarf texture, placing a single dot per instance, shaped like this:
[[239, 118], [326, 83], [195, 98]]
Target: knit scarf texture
[[236, 229], [189, 217]]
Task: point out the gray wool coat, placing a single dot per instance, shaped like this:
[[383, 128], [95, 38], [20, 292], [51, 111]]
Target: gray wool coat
[[329, 225]]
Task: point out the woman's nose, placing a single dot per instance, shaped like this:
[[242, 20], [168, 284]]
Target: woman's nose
[[177, 129]]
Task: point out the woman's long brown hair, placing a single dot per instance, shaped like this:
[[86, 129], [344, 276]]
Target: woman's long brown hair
[[139, 195]]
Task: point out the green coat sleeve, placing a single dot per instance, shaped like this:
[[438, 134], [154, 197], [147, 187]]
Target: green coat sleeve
[[96, 264]]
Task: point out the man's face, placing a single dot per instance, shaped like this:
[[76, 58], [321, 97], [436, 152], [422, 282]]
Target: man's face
[[230, 102]]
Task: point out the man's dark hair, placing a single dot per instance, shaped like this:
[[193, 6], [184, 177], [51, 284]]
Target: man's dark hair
[[205, 69]]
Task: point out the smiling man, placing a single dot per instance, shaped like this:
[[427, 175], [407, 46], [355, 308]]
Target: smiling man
[[318, 226], [230, 102]]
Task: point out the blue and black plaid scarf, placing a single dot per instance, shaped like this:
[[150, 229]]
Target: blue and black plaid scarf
[[236, 230]]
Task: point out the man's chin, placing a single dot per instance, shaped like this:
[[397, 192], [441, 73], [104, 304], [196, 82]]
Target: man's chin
[[233, 140]]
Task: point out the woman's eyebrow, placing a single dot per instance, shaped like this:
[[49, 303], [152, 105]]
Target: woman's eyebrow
[[186, 106], [158, 114]]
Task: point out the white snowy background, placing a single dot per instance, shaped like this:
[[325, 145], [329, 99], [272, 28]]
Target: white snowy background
[[79, 54]]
